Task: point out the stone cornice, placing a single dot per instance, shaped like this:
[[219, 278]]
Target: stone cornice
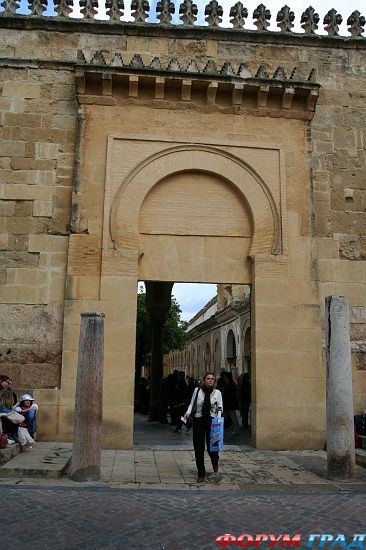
[[152, 30], [261, 95]]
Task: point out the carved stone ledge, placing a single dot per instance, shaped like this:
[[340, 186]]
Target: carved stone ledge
[[209, 67], [276, 96]]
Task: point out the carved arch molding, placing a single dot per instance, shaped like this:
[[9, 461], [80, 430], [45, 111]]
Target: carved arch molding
[[195, 213]]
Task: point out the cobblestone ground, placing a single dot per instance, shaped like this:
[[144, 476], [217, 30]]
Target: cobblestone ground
[[40, 518]]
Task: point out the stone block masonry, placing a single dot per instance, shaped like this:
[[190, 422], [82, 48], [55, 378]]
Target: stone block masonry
[[89, 106]]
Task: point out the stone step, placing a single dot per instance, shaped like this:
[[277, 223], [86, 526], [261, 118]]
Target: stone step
[[361, 457], [43, 460], [10, 452]]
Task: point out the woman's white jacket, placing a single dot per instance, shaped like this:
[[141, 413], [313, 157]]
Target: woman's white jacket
[[216, 403]]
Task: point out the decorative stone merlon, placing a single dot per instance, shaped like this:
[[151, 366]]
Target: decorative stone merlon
[[140, 10], [332, 21], [37, 7], [188, 12], [238, 14], [10, 7], [262, 17], [63, 8], [355, 23], [165, 9], [115, 9], [88, 8], [229, 85], [214, 13], [285, 18], [310, 20]]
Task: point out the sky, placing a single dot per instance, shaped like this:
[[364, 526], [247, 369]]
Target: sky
[[192, 297], [345, 8]]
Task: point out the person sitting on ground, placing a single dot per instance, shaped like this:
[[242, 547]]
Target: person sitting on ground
[[29, 410], [6, 403]]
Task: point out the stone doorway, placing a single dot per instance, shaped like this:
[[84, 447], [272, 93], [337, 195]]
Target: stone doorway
[[165, 218]]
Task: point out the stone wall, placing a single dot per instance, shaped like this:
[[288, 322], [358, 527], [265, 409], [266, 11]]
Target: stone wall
[[38, 124], [53, 176]]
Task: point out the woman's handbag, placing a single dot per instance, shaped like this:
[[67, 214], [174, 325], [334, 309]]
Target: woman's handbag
[[15, 417], [217, 434], [189, 420]]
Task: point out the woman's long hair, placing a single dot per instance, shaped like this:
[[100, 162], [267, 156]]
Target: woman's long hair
[[208, 373], [6, 397]]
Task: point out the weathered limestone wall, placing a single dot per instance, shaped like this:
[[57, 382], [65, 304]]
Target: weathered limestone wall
[[38, 122], [322, 206]]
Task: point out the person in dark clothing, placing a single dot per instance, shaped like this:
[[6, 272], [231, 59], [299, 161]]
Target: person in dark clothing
[[221, 381], [191, 386], [180, 400], [230, 401], [172, 382], [245, 398], [206, 403], [144, 390], [6, 406], [164, 400]]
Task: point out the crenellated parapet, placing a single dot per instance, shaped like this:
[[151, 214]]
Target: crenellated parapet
[[190, 15]]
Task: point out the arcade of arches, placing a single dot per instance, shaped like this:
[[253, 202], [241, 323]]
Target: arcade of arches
[[218, 336]]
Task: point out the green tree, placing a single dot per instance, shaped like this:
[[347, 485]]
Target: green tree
[[174, 336]]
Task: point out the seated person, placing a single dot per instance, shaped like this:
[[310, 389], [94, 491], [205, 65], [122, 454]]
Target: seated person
[[6, 404], [28, 409]]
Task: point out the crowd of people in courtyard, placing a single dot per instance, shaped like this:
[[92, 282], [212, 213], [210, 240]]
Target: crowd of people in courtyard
[[176, 392], [17, 416]]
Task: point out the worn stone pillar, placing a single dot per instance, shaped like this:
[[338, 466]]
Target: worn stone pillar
[[158, 302], [340, 430], [87, 447]]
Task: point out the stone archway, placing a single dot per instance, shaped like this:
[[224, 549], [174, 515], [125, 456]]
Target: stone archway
[[191, 214], [149, 233], [138, 223]]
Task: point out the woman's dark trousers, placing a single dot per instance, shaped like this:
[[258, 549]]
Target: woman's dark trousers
[[201, 434], [9, 428]]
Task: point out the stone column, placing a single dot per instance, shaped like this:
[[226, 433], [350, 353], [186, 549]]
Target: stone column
[[158, 301], [340, 430], [87, 446]]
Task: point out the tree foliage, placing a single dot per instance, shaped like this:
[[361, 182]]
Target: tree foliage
[[174, 336]]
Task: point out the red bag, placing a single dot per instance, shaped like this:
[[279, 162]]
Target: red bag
[[3, 441]]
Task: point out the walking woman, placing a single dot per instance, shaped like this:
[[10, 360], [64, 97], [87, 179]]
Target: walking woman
[[205, 404]]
